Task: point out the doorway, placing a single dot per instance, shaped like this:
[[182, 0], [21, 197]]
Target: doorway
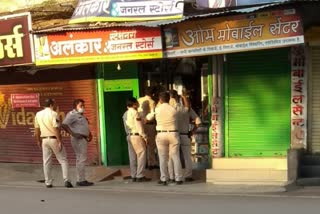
[[117, 147]]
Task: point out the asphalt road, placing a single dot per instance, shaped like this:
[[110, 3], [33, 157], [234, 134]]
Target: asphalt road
[[32, 200]]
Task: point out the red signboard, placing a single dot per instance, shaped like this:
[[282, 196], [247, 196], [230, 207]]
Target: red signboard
[[15, 40], [25, 100], [103, 45]]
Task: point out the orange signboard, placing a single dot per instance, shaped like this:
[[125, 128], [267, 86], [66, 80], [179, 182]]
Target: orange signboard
[[103, 45], [234, 34]]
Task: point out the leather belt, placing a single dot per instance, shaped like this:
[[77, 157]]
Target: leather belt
[[184, 133], [161, 131], [150, 123], [49, 137]]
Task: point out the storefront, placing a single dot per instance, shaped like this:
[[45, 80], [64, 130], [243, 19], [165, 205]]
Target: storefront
[[313, 39], [257, 103], [253, 89], [110, 51], [17, 123]]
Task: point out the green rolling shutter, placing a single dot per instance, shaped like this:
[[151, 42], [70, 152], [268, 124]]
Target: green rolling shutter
[[257, 103]]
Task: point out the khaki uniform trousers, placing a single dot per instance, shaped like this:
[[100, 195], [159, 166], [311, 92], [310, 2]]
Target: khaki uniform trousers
[[186, 153], [50, 147], [137, 156], [151, 133], [168, 144], [80, 147]]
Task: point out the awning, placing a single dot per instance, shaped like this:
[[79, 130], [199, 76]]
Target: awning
[[148, 23], [226, 11]]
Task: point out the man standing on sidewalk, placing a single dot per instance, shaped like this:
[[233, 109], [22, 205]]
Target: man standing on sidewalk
[[77, 125], [147, 105], [167, 139], [48, 138], [137, 141]]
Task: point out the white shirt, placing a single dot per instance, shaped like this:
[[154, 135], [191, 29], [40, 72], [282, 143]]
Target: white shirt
[[134, 123], [147, 105], [166, 117], [47, 120]]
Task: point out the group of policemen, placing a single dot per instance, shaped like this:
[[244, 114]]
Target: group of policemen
[[47, 132], [162, 128]]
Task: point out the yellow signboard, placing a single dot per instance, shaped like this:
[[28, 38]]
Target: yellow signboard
[[234, 34]]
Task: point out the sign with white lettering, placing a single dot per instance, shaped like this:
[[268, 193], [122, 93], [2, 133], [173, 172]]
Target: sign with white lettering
[[15, 40], [25, 100], [234, 34], [103, 45], [126, 10]]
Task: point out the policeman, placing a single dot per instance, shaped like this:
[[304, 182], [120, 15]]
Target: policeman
[[182, 106], [48, 138], [77, 125], [185, 114], [167, 138], [185, 135], [147, 105], [137, 141]]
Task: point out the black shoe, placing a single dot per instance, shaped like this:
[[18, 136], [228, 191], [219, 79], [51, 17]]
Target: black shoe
[[49, 186], [150, 167], [156, 167], [68, 184], [143, 179], [179, 182], [84, 183], [172, 181], [189, 179], [134, 179], [163, 183]]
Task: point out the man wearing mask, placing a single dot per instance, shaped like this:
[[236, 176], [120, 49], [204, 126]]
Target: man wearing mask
[[77, 125], [47, 132]]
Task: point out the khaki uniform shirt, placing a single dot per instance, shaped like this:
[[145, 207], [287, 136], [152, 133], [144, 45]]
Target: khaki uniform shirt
[[47, 120], [124, 119], [77, 122], [134, 123], [166, 117], [147, 105]]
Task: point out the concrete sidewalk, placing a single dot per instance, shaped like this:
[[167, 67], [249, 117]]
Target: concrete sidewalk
[[28, 175]]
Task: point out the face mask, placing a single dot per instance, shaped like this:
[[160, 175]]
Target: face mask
[[81, 110]]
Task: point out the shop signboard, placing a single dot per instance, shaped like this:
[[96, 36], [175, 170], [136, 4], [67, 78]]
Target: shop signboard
[[232, 3], [298, 98], [15, 40], [103, 45], [25, 100], [234, 34], [126, 10]]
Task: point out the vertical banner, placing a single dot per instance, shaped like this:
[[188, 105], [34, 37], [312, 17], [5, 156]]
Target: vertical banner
[[298, 98], [216, 120]]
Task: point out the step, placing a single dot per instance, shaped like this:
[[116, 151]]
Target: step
[[308, 181], [102, 173], [309, 171], [247, 176], [310, 160], [250, 163], [118, 178]]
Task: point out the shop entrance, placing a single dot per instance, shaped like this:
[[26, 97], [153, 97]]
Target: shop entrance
[[117, 147]]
